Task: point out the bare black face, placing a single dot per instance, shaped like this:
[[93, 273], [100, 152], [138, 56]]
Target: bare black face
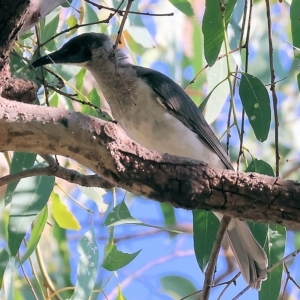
[[77, 50]]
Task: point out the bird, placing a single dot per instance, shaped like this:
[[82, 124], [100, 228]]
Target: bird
[[155, 112]]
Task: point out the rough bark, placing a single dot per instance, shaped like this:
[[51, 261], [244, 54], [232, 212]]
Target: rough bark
[[105, 149]]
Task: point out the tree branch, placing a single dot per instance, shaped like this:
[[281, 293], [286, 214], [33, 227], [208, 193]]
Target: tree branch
[[106, 150]]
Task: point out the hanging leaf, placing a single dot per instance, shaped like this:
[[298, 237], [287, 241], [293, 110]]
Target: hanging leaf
[[87, 269], [115, 259], [36, 234], [4, 259], [256, 102], [213, 29], [29, 199], [294, 15], [20, 161], [62, 215], [184, 6], [274, 248], [205, 226]]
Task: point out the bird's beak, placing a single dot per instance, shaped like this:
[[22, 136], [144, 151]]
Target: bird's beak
[[52, 58]]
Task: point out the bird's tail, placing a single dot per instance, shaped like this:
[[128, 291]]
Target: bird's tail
[[250, 256]]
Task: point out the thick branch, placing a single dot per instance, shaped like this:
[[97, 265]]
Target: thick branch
[[105, 149]]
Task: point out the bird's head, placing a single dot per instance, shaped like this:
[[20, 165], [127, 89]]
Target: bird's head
[[80, 51]]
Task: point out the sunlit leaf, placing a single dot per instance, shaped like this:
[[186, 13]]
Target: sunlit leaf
[[184, 6], [213, 29], [87, 269], [36, 234], [178, 287], [205, 226], [71, 21], [115, 259], [20, 161], [120, 295], [256, 102], [96, 194], [274, 248], [62, 215], [28, 200]]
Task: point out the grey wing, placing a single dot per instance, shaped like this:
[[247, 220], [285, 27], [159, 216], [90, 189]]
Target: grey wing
[[181, 106]]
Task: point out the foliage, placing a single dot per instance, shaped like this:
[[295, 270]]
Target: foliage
[[219, 51]]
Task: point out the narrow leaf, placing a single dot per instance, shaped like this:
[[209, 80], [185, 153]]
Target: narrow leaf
[[87, 269], [205, 229], [36, 234], [62, 215], [29, 199], [4, 259], [213, 29], [256, 102], [184, 6], [115, 259], [275, 247], [294, 15], [20, 161]]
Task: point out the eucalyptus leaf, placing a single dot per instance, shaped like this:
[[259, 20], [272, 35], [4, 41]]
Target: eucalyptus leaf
[[256, 102], [29, 199], [205, 226], [115, 259]]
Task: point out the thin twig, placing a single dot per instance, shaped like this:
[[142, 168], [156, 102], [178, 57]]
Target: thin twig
[[228, 283], [246, 69], [71, 176], [273, 86], [213, 257], [116, 10], [205, 67]]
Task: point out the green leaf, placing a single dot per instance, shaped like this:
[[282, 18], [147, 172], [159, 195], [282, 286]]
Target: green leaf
[[169, 214], [36, 233], [29, 199], [295, 23], [178, 287], [184, 6], [115, 259], [256, 102], [9, 279], [87, 269], [20, 161], [49, 31], [121, 215], [4, 259], [260, 166], [205, 229], [274, 248], [62, 215], [213, 29], [298, 81]]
